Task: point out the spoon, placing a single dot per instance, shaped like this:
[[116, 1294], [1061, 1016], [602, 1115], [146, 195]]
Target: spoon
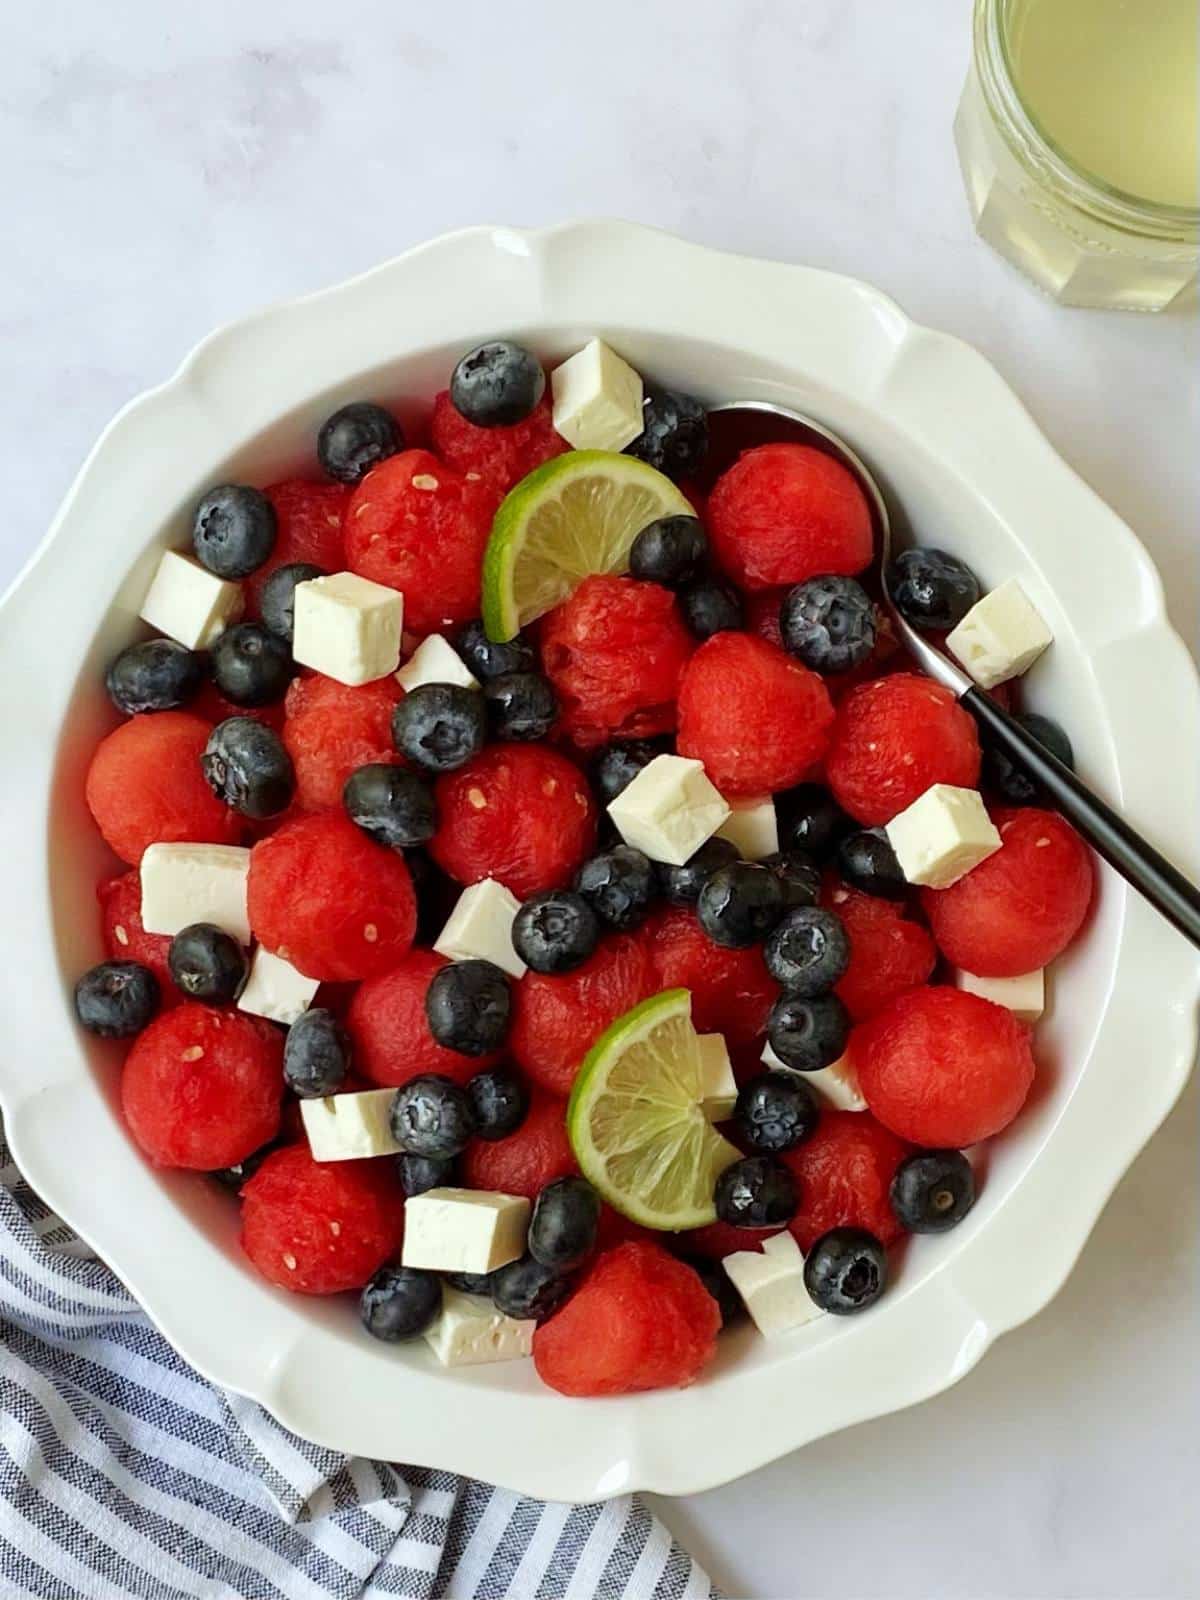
[[1107, 832]]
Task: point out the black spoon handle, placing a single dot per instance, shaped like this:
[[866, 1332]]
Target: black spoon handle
[[1110, 835]]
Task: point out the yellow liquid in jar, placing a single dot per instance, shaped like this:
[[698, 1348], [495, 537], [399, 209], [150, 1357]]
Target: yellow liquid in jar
[[1115, 85]]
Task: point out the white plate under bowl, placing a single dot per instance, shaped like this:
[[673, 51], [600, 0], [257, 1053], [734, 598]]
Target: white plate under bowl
[[971, 472]]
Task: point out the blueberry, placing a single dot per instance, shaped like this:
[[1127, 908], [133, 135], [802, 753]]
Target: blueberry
[[932, 591], [562, 1228], [555, 931], [711, 607], [356, 438], [740, 904], [248, 768], [674, 435], [417, 1174], [620, 886], [468, 1006], [156, 675], [431, 1116], [207, 963], [933, 1190], [1013, 783], [439, 726], [845, 1271], [240, 1173], [716, 1280], [866, 861], [393, 805], [811, 820], [617, 765], [528, 1291], [799, 878], [775, 1111], [520, 705], [808, 951], [807, 1035], [233, 531], [682, 885], [250, 665], [756, 1192], [499, 1101], [277, 602], [400, 1303], [316, 1054], [471, 1282], [497, 384], [828, 623], [487, 659], [671, 551], [116, 999]]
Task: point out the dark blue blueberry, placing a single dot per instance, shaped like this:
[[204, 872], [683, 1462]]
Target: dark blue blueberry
[[116, 999], [520, 705], [431, 1116], [799, 877], [828, 623], [674, 435], [418, 1174], [277, 602], [240, 1173], [866, 861], [207, 963], [247, 767], [393, 805], [933, 1190], [807, 1035], [671, 551], [617, 765], [620, 886], [932, 591], [711, 606], [756, 1192], [775, 1111], [471, 1282], [487, 659], [468, 1006], [400, 1303], [497, 384], [555, 931], [845, 1271], [528, 1291], [499, 1101], [562, 1228], [1013, 783], [740, 904], [316, 1054], [811, 820], [233, 531], [356, 438], [250, 665], [716, 1280], [439, 726], [808, 951], [682, 885], [156, 675]]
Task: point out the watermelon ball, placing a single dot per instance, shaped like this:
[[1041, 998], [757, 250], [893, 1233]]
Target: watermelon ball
[[389, 1031], [639, 1320], [557, 1018], [894, 738], [538, 1153], [326, 898], [201, 1088], [943, 1068], [784, 513], [521, 813], [331, 729], [144, 786], [498, 457], [757, 719], [125, 939], [356, 438], [321, 1228], [308, 519], [732, 991], [889, 953], [716, 1240], [843, 1174], [1021, 907]]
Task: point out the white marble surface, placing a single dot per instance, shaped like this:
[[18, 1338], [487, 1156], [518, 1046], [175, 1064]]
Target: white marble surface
[[166, 168]]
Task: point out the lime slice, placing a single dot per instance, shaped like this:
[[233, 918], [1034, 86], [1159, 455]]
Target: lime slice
[[635, 1121], [571, 517]]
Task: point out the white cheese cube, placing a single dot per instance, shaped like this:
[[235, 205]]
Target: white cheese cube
[[772, 1285], [275, 989], [669, 809], [752, 828], [837, 1084], [480, 928], [186, 883], [190, 604], [348, 628], [1025, 996], [942, 835], [464, 1230], [471, 1331], [435, 661], [718, 1087], [597, 399], [350, 1127], [1001, 636]]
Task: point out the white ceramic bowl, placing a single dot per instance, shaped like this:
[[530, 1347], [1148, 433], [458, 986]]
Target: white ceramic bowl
[[971, 472]]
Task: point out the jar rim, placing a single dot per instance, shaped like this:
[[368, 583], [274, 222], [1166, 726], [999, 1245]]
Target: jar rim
[[1033, 145]]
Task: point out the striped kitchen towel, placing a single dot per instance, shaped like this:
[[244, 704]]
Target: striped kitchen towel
[[123, 1473]]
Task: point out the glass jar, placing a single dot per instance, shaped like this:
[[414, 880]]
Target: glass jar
[[1084, 242]]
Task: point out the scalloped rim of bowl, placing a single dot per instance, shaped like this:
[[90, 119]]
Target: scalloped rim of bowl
[[814, 334]]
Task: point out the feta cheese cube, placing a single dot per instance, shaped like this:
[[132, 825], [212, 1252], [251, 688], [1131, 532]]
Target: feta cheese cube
[[350, 1127], [1001, 636], [480, 928], [186, 883], [435, 661], [942, 835], [718, 1087], [348, 628], [837, 1084], [772, 1285], [464, 1230], [752, 828], [275, 989], [190, 604], [669, 809], [471, 1331], [1025, 996], [597, 399]]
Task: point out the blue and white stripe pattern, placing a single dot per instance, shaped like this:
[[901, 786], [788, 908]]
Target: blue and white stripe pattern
[[123, 1473]]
